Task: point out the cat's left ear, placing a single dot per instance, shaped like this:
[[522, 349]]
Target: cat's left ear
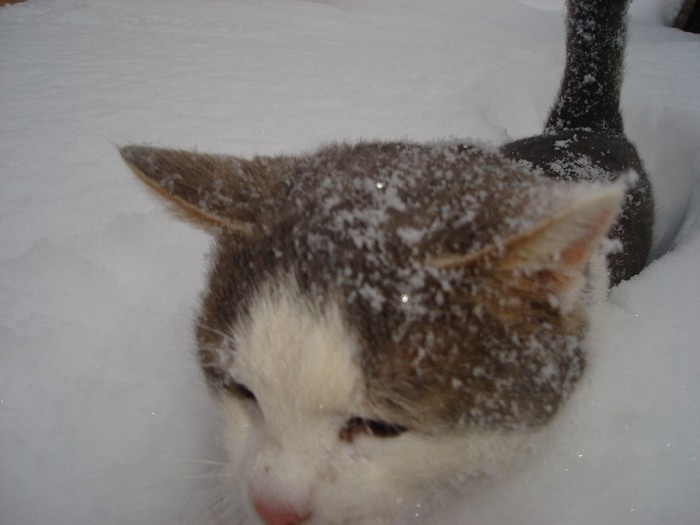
[[212, 190], [550, 259]]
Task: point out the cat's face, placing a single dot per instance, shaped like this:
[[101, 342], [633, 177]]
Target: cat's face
[[305, 438], [384, 323]]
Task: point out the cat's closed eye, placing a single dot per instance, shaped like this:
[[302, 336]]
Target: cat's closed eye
[[353, 427], [241, 391], [357, 426]]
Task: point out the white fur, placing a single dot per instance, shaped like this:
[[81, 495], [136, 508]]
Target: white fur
[[302, 364]]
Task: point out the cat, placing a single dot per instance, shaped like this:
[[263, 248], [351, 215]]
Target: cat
[[386, 323]]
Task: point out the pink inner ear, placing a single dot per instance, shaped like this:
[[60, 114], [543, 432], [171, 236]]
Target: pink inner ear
[[555, 280], [577, 253], [553, 258]]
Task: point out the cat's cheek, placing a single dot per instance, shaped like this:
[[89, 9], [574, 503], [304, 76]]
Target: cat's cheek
[[361, 505], [418, 474]]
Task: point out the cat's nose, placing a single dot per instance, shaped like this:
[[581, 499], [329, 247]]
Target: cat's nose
[[279, 514]]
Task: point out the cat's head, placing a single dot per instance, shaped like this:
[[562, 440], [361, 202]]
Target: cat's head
[[383, 322]]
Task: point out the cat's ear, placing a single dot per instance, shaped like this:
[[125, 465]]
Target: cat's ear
[[213, 190], [550, 259]]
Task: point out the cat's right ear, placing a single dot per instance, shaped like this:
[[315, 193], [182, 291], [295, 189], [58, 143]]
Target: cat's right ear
[[549, 261], [215, 191]]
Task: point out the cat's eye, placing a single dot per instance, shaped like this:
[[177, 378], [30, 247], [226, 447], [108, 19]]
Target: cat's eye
[[357, 426], [241, 391]]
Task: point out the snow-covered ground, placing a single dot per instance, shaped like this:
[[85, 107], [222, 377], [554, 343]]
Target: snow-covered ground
[[103, 415]]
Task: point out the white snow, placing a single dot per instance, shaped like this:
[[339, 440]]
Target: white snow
[[103, 415]]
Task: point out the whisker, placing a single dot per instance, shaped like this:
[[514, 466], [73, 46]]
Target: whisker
[[217, 476], [214, 331], [144, 467], [220, 503]]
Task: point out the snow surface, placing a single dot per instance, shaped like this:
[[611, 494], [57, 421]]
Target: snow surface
[[103, 415]]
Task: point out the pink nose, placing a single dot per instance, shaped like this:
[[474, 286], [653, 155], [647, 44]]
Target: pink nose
[[278, 514]]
